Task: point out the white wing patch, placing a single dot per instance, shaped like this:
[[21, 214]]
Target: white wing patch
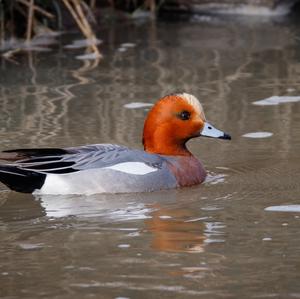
[[137, 168], [90, 181]]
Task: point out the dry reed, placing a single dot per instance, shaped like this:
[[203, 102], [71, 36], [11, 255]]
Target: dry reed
[[75, 8], [37, 13], [30, 20], [37, 9]]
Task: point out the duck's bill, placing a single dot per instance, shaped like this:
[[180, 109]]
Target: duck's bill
[[211, 131]]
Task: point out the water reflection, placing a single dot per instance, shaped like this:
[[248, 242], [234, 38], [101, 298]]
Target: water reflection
[[108, 207], [209, 240], [19, 207], [50, 107], [173, 228], [172, 231]]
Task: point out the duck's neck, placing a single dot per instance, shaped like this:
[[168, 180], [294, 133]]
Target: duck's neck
[[157, 144]]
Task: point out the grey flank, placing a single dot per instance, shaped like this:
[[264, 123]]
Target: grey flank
[[86, 169]]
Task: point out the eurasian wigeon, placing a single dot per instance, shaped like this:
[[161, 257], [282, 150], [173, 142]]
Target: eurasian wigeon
[[165, 162]]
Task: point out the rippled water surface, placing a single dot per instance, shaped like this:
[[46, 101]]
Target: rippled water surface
[[218, 240]]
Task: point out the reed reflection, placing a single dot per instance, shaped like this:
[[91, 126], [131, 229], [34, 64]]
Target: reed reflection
[[77, 102]]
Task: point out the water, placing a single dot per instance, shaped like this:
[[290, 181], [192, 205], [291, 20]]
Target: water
[[217, 240]]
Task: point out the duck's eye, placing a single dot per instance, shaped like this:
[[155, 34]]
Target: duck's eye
[[184, 115]]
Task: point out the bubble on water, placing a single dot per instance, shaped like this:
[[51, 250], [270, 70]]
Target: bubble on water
[[37, 48], [222, 167], [135, 105], [122, 49], [123, 245], [82, 43], [213, 232], [276, 100], [258, 135], [210, 241], [86, 269], [28, 246], [89, 56], [69, 267], [267, 239], [213, 178], [284, 208], [165, 217], [128, 45], [198, 219], [290, 89], [212, 208]]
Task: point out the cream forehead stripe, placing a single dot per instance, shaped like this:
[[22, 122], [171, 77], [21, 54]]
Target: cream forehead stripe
[[193, 101]]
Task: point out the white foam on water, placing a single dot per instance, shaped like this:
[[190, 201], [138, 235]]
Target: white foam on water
[[290, 89], [89, 56], [213, 232], [128, 45], [267, 239], [213, 178], [284, 208], [165, 217], [258, 11], [36, 48], [247, 10], [123, 245], [36, 44], [276, 100], [83, 43], [222, 167], [29, 246], [258, 135], [122, 49], [135, 105], [211, 208], [141, 14]]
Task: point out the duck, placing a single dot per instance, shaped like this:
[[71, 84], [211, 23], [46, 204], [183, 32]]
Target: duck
[[165, 162]]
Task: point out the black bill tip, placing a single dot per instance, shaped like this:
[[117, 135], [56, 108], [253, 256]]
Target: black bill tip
[[225, 136]]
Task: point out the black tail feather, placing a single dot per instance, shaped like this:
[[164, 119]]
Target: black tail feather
[[38, 152], [21, 180]]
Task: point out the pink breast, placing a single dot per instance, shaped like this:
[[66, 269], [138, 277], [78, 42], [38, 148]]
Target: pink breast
[[188, 170]]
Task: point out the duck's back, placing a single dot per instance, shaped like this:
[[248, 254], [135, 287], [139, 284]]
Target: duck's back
[[99, 168], [111, 169]]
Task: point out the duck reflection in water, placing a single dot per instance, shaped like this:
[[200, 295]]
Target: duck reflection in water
[[172, 228], [172, 231]]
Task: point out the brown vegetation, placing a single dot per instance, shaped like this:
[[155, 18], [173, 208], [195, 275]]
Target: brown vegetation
[[27, 18]]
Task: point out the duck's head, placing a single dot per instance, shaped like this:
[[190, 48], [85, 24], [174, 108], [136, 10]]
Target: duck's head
[[172, 121]]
